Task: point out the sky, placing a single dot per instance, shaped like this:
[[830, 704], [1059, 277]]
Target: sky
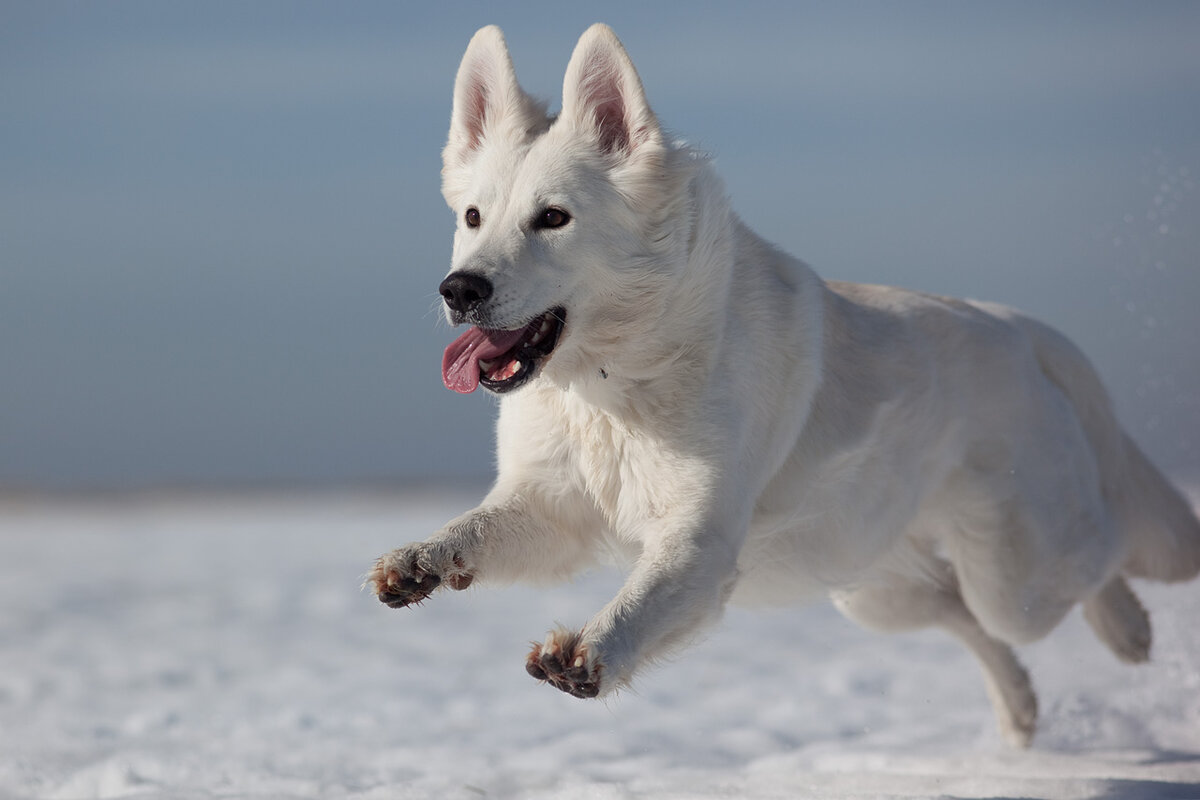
[[221, 231]]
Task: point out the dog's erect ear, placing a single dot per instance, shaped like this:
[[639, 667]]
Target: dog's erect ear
[[488, 99], [602, 92]]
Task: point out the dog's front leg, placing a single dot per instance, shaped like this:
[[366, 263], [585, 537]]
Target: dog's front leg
[[512, 535], [679, 585]]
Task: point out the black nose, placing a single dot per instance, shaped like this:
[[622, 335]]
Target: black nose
[[464, 290]]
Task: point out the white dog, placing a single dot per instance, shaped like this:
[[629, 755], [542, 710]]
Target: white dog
[[680, 392]]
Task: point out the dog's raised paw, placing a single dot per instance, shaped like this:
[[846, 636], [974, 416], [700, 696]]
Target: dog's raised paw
[[566, 663], [407, 576]]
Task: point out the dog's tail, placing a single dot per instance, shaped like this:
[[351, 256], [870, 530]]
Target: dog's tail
[[1163, 529], [1159, 527]]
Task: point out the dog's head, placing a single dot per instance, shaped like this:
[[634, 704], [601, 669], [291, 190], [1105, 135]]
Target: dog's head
[[560, 220]]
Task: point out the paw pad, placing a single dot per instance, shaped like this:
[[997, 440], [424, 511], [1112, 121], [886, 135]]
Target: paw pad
[[564, 662], [407, 576]]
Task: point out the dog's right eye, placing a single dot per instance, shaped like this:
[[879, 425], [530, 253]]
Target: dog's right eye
[[472, 217], [550, 218]]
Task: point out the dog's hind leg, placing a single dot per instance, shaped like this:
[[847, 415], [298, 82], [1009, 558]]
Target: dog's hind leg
[[1007, 682], [1120, 621], [903, 603]]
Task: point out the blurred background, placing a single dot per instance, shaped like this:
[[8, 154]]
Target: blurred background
[[221, 232]]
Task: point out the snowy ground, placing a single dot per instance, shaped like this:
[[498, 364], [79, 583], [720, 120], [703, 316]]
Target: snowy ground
[[220, 647]]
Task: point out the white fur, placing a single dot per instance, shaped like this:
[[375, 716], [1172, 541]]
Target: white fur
[[734, 427]]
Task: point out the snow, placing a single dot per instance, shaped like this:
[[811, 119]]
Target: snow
[[220, 646]]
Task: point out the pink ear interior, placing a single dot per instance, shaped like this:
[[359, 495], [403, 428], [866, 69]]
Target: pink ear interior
[[475, 101], [601, 92]]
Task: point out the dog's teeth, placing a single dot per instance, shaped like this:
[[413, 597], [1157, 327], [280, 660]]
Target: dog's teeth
[[541, 332], [486, 364], [501, 372]]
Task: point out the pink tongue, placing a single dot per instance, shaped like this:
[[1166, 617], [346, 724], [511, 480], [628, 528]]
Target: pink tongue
[[460, 362]]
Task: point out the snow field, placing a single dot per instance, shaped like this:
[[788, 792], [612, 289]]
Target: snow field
[[220, 646]]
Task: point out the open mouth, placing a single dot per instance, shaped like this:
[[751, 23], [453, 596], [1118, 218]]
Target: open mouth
[[501, 360]]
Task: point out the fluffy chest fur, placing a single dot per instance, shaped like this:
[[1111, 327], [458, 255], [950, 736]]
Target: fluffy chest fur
[[632, 469]]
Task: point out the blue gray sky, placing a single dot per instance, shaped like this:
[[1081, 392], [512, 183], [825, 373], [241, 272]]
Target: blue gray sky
[[221, 232]]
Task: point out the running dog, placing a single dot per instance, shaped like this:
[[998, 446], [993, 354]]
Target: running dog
[[678, 391]]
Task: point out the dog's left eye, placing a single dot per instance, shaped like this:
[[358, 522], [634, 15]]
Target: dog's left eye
[[551, 218]]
